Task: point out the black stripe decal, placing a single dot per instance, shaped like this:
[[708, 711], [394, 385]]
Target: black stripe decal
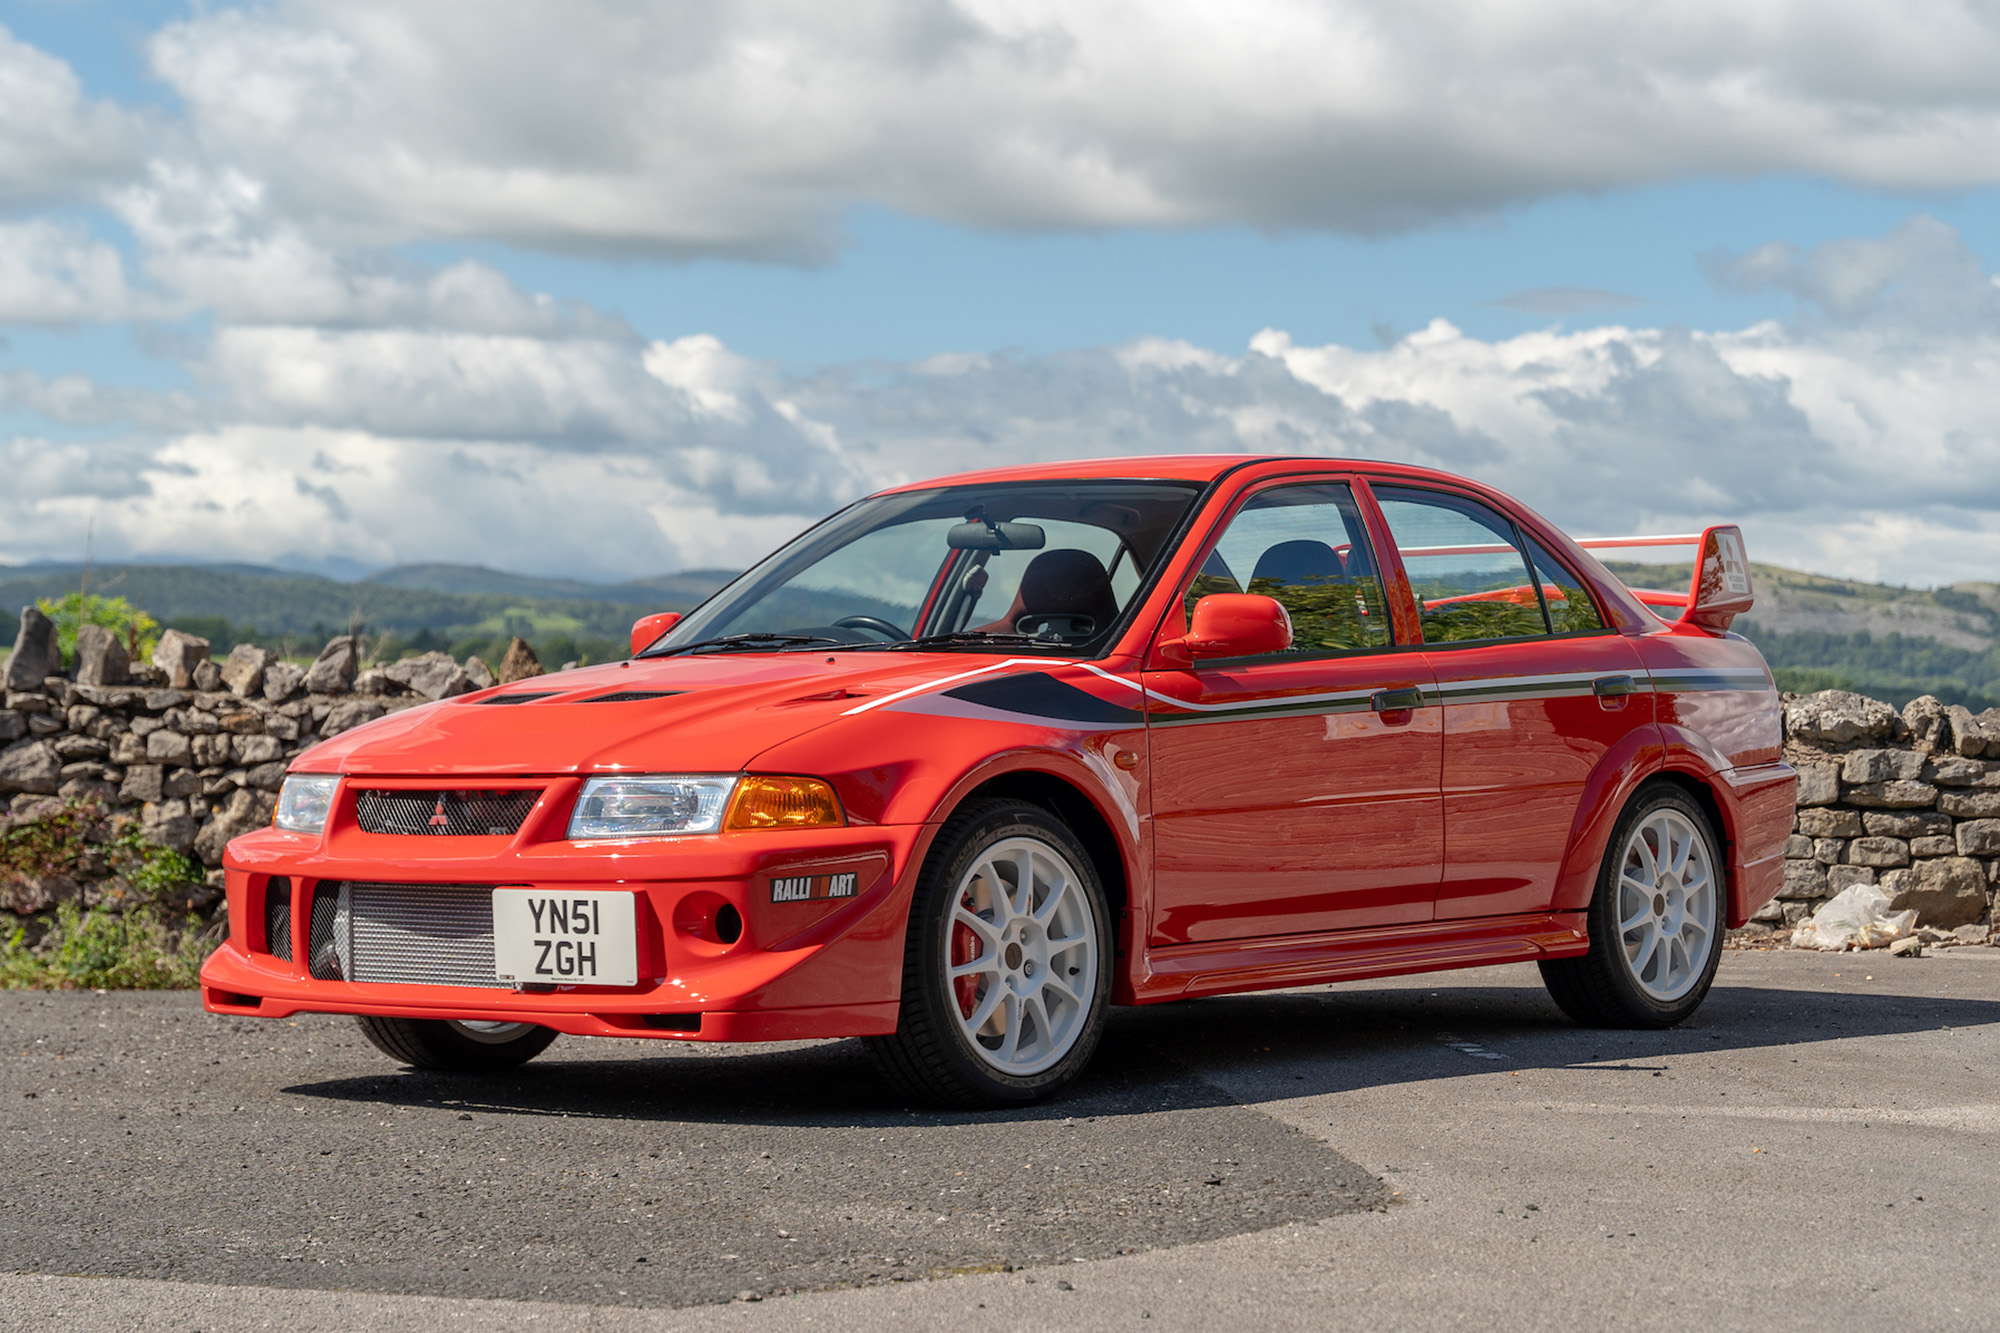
[[1038, 694], [1690, 682]]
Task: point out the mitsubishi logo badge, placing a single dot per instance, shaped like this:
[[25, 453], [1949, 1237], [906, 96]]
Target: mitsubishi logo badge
[[440, 819]]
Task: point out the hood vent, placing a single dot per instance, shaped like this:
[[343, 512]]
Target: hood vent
[[630, 696], [524, 698]]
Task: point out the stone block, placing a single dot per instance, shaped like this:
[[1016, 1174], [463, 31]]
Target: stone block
[[282, 680], [35, 655], [1881, 853], [244, 812], [1881, 766], [30, 766], [332, 672], [101, 658], [128, 749], [257, 749], [1941, 844], [168, 823], [1824, 823], [282, 727], [168, 747], [350, 714], [243, 672], [1846, 877], [181, 782], [1905, 824], [241, 721], [478, 673], [266, 777], [143, 782], [211, 750], [1819, 784], [13, 726], [1978, 837], [1983, 803], [1771, 913], [1799, 847], [208, 676], [1945, 893], [72, 748], [1901, 795], [1803, 880], [1954, 771], [1925, 724], [178, 654], [1829, 851], [1974, 735], [1838, 717]]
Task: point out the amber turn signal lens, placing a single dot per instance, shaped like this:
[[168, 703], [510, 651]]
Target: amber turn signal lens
[[762, 802]]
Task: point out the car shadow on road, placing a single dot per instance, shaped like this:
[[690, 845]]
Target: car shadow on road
[[1165, 1057]]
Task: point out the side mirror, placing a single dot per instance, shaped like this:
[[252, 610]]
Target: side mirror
[[648, 628], [1227, 624], [1721, 589]]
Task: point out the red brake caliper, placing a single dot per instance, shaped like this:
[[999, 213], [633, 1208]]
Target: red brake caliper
[[964, 948]]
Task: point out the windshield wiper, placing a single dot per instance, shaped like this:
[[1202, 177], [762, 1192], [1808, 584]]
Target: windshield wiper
[[964, 637], [758, 640]]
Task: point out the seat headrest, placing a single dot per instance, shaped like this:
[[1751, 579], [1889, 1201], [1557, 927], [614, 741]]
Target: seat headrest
[[1303, 561], [1069, 582]]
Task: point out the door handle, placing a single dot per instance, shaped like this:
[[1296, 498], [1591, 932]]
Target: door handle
[[1615, 687], [1400, 700]]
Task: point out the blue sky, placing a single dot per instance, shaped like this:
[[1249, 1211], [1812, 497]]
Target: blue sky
[[338, 285]]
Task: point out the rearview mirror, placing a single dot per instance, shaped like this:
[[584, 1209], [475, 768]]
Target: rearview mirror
[[984, 535], [1228, 624], [648, 628]]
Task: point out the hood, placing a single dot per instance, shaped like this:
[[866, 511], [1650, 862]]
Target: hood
[[706, 714]]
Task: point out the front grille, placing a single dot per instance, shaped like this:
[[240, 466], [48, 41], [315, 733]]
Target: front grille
[[278, 917], [420, 934], [451, 814]]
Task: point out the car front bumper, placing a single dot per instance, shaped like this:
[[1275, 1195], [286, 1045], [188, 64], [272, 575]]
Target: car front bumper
[[821, 967]]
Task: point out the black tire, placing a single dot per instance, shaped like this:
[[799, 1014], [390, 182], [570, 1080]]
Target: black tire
[[1601, 988], [930, 1057], [437, 1043]]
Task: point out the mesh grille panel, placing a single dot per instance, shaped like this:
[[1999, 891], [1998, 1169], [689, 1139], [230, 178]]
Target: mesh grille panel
[[423, 934], [630, 696], [323, 948], [278, 917], [453, 814]]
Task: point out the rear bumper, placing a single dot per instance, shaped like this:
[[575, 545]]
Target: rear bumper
[[1759, 803], [800, 969]]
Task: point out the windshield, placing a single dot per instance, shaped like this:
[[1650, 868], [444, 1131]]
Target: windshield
[[1056, 562]]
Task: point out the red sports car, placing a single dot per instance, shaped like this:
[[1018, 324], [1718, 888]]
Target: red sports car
[[975, 758]]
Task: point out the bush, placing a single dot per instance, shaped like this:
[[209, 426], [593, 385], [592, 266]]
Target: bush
[[101, 949], [152, 943], [73, 611]]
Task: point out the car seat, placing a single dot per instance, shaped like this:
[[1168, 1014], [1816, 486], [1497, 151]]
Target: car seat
[[1303, 562], [1066, 583]]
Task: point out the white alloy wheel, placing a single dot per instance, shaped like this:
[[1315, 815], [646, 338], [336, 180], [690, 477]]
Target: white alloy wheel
[[1021, 956], [1666, 904]]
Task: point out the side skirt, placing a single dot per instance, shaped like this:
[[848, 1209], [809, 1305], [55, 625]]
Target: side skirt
[[1184, 971]]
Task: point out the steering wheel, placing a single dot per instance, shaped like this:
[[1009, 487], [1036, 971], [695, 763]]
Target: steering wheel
[[876, 623]]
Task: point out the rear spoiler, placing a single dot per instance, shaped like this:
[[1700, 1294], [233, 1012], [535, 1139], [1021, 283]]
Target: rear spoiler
[[1720, 590]]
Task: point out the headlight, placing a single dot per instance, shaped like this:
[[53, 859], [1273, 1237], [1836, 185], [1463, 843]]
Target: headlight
[[650, 807], [304, 802]]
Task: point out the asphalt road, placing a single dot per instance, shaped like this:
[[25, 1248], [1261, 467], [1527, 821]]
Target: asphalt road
[[1816, 1150]]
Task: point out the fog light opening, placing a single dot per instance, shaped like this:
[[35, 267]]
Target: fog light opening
[[673, 1022], [728, 924]]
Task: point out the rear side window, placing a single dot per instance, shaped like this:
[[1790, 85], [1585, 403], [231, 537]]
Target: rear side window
[[1466, 567], [1305, 546], [1571, 610]]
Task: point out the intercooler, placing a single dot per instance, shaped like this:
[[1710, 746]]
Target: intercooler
[[404, 934]]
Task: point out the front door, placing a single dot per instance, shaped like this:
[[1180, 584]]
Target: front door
[[1535, 689], [1296, 791]]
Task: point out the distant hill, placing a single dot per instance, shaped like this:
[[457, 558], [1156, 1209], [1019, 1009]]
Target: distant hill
[[1817, 632], [463, 608]]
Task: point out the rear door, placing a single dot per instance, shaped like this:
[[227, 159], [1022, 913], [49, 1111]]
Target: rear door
[[1286, 796], [1534, 691]]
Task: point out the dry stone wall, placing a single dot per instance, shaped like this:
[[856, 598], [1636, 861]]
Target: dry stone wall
[[1909, 801], [188, 749]]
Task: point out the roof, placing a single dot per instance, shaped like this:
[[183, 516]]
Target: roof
[[1165, 467]]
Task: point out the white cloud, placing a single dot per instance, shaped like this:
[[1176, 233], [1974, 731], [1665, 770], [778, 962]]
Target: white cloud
[[748, 129], [54, 142], [52, 274]]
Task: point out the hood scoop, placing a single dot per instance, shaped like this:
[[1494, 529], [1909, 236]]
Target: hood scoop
[[527, 697], [629, 696]]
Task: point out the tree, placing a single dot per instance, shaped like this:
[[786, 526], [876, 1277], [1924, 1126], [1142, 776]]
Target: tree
[[74, 610]]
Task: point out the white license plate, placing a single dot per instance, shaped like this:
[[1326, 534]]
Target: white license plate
[[548, 938]]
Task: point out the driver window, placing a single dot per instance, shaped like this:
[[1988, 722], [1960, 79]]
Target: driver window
[[1306, 547]]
